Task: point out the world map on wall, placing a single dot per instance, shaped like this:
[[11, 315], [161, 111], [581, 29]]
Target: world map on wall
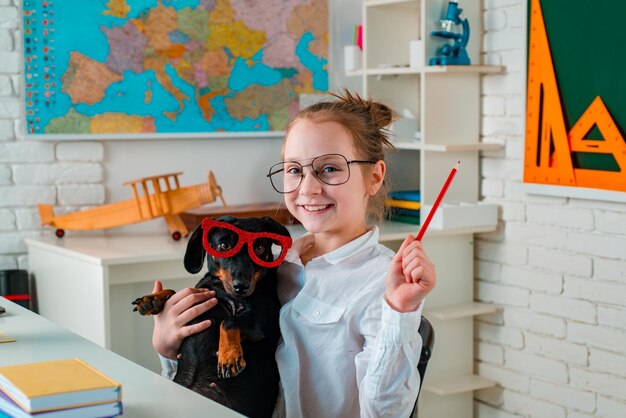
[[171, 66]]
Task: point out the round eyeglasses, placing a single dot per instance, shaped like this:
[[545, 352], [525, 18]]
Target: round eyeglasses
[[331, 169]]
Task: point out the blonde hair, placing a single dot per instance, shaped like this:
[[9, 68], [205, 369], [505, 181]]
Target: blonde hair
[[367, 122]]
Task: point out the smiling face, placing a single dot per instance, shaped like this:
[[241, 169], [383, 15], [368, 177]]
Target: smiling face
[[335, 214]]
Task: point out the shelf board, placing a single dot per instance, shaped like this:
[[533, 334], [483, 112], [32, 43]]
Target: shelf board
[[479, 146], [456, 385], [397, 231], [412, 145], [354, 73], [375, 3], [406, 70], [418, 145], [485, 69], [391, 71], [462, 311]]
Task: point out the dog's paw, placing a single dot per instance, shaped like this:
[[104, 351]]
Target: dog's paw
[[152, 304], [230, 364]]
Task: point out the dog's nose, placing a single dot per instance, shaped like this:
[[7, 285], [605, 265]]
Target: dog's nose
[[241, 288]]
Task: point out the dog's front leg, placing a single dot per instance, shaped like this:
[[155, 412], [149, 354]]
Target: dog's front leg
[[230, 361]]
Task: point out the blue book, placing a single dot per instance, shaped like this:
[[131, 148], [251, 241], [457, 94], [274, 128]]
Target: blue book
[[412, 195], [404, 212], [9, 409]]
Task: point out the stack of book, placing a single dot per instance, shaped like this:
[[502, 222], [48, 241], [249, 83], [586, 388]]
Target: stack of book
[[58, 389], [404, 206]]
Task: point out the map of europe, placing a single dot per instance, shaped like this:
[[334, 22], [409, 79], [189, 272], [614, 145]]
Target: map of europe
[[142, 67]]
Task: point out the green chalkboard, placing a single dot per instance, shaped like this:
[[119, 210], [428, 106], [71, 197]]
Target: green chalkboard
[[589, 55]]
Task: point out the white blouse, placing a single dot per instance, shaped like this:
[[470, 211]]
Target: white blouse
[[344, 352]]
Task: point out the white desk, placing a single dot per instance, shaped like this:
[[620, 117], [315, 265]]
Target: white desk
[[87, 284], [144, 393]]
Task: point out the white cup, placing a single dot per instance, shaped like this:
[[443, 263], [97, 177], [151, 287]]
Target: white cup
[[416, 54], [352, 58]]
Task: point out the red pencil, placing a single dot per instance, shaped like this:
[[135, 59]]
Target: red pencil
[[442, 193]]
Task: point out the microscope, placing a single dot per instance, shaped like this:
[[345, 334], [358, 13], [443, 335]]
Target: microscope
[[452, 53]]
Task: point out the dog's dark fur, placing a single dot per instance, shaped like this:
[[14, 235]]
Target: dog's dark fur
[[244, 322]]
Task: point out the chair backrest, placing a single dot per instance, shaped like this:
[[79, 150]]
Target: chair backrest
[[428, 342]]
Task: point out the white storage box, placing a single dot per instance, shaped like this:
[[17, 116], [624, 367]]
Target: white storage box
[[462, 215]]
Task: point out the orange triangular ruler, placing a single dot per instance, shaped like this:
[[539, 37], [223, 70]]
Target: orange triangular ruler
[[613, 143], [547, 157]]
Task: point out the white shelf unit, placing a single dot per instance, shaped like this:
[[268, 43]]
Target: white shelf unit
[[445, 103]]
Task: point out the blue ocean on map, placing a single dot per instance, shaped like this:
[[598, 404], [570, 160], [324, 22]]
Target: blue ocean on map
[[78, 27], [312, 62]]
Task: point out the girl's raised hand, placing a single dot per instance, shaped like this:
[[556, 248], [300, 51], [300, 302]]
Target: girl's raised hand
[[410, 277], [170, 325]]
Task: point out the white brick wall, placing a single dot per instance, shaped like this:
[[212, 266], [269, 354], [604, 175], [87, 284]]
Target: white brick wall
[[557, 267], [563, 395], [531, 406], [80, 151], [66, 174], [613, 270]]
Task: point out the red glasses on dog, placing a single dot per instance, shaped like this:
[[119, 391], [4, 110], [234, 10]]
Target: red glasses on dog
[[226, 250]]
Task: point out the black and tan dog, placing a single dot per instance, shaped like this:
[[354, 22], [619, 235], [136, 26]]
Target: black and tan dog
[[242, 272]]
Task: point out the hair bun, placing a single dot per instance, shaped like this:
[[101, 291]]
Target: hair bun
[[381, 114]]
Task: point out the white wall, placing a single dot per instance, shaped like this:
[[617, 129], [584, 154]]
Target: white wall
[[556, 265]]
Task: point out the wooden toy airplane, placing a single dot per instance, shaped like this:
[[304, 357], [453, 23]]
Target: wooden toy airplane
[[167, 201]]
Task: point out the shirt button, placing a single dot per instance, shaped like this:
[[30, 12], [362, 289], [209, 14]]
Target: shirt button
[[316, 314]]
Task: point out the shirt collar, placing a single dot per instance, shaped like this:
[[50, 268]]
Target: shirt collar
[[364, 242]]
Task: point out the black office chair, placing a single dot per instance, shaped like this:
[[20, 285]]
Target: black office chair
[[428, 342]]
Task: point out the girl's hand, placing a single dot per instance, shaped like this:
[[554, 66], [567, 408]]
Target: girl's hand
[[410, 277], [170, 327]]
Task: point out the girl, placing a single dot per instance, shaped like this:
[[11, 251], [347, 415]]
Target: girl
[[351, 308]]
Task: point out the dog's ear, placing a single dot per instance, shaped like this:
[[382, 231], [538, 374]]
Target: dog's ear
[[275, 227], [194, 255]]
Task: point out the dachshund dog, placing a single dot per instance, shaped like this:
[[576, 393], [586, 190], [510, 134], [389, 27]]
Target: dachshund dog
[[242, 272]]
